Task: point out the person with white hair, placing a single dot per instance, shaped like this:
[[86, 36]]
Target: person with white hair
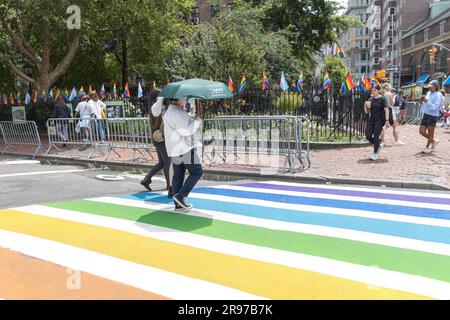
[[390, 99], [430, 107]]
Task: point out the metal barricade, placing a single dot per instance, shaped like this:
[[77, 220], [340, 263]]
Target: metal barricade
[[413, 114], [74, 131], [128, 133], [257, 135], [20, 133]]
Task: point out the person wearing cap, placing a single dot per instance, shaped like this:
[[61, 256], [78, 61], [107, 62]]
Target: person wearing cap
[[430, 106]]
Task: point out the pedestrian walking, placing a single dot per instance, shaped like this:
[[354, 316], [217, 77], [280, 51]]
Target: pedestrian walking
[[86, 114], [99, 109], [431, 105], [156, 123], [62, 112], [379, 116], [390, 100], [403, 110], [181, 144]]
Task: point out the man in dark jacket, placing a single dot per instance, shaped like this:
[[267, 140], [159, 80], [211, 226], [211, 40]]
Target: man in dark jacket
[[62, 112]]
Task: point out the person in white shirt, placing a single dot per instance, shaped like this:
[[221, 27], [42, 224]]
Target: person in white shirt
[[99, 109], [430, 106], [86, 114], [390, 99], [181, 143]]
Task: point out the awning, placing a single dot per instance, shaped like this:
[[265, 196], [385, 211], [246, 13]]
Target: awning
[[438, 75], [422, 79], [407, 84], [447, 82]]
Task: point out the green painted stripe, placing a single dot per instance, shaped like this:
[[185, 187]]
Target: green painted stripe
[[425, 264]]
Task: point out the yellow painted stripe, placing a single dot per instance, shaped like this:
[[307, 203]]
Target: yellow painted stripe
[[259, 278]]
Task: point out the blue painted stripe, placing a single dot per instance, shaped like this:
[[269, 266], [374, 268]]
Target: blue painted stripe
[[392, 228], [331, 203]]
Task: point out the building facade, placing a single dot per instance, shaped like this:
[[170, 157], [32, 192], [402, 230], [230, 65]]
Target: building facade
[[205, 10], [356, 42], [433, 31], [374, 25]]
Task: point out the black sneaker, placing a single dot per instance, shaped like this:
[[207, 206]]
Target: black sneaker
[[180, 201], [146, 185]]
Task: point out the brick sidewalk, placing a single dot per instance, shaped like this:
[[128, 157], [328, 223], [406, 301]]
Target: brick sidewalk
[[397, 163]]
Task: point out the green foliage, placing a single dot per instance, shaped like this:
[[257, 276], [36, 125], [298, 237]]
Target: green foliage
[[233, 44], [290, 101], [336, 69]]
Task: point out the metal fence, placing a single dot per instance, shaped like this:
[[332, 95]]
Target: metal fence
[[235, 136], [103, 136], [20, 133]]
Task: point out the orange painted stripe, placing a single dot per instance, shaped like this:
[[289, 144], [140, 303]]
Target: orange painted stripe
[[27, 278]]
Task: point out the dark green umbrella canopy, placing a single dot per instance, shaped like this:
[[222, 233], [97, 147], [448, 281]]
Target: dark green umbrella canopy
[[196, 88]]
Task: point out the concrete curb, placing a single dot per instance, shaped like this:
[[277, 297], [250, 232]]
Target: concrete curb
[[224, 175]]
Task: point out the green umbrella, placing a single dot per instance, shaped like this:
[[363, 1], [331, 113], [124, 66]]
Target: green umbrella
[[196, 88]]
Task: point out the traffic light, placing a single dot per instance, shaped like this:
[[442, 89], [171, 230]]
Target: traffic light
[[433, 55]]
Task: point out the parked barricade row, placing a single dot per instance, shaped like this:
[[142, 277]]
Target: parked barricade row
[[20, 133], [103, 136], [235, 136]]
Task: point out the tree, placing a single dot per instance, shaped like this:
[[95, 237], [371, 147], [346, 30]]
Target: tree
[[32, 30], [337, 70], [309, 23], [233, 44]]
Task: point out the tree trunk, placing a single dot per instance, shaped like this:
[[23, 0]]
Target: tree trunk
[[124, 59]]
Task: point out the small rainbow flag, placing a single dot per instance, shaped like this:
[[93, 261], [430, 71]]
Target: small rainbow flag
[[34, 96], [300, 82], [230, 84], [103, 92], [349, 84], [66, 94], [326, 81], [126, 91], [114, 91], [81, 92], [11, 99], [4, 100], [265, 82], [243, 84], [18, 99]]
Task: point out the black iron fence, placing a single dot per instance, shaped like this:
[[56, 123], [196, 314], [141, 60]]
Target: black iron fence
[[334, 117]]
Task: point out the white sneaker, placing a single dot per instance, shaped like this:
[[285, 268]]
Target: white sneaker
[[379, 149], [374, 156], [434, 144], [426, 150], [399, 143], [381, 144]]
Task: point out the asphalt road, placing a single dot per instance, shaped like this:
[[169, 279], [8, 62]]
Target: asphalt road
[[26, 182]]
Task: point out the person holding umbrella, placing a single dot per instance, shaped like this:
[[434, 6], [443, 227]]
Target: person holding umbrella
[[180, 129]]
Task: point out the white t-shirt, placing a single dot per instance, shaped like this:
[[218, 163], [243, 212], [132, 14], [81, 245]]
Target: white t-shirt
[[96, 106], [388, 96], [179, 131], [84, 109]]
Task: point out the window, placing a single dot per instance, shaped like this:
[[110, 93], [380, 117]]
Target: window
[[376, 35], [412, 66], [441, 62], [364, 69], [426, 62], [442, 27], [367, 43], [425, 34], [364, 56], [413, 40], [367, 30], [376, 60], [390, 40], [215, 10], [195, 15], [391, 11], [376, 48], [358, 43]]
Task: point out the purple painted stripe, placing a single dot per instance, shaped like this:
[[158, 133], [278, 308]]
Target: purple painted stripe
[[353, 193]]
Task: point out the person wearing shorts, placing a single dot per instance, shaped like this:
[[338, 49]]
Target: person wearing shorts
[[390, 100], [430, 106], [402, 112]]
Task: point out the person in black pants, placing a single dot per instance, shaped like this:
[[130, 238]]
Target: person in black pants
[[62, 112], [164, 162], [379, 116]]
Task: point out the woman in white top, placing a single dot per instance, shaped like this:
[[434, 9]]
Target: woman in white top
[[390, 99], [86, 114]]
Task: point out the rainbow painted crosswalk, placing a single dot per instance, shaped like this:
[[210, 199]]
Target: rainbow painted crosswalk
[[264, 240]]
